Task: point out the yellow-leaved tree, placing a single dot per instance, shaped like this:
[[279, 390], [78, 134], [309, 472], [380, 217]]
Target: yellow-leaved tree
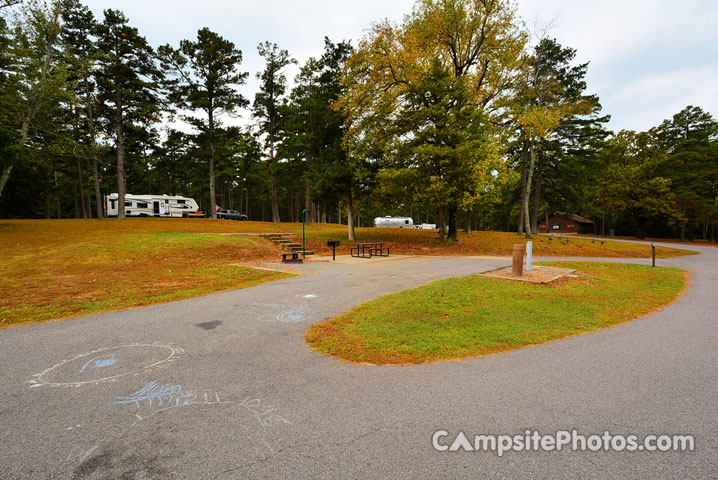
[[422, 97]]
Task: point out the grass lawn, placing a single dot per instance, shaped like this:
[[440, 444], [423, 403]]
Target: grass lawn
[[62, 268], [697, 242], [65, 268], [425, 242], [473, 316]]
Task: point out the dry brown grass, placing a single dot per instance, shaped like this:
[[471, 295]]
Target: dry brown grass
[[65, 268]]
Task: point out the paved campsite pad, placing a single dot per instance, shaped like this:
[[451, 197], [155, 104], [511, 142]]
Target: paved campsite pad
[[539, 274], [349, 260], [246, 398]]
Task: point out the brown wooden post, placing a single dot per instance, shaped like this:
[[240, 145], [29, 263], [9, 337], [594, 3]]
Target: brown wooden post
[[517, 267], [653, 248]]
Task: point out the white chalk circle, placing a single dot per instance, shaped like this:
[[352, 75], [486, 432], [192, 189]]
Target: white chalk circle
[[296, 315], [105, 364]]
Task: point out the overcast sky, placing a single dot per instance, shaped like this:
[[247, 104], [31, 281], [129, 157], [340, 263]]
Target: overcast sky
[[648, 58]]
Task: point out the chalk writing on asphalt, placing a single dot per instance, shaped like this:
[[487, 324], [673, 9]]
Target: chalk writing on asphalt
[[99, 362], [154, 393]]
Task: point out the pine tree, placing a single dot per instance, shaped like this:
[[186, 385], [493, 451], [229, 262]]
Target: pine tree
[[267, 108], [79, 39], [206, 78], [39, 73], [128, 84], [314, 130], [549, 91], [689, 140]]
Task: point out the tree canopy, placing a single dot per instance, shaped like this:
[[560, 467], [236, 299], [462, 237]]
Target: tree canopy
[[457, 116]]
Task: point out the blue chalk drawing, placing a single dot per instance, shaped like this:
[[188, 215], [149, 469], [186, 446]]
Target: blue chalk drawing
[[168, 398], [296, 314], [153, 393], [99, 362]]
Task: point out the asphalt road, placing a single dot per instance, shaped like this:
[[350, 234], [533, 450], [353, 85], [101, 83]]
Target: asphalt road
[[223, 386]]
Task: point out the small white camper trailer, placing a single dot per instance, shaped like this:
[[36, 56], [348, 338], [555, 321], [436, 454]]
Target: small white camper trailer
[[394, 222], [152, 205], [426, 226]]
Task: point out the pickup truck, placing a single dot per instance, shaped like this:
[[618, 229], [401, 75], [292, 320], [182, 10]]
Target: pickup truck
[[231, 215]]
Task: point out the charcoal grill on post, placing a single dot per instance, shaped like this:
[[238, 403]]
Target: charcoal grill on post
[[334, 244]]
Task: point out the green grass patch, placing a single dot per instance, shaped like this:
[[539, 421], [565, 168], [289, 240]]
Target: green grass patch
[[473, 316]]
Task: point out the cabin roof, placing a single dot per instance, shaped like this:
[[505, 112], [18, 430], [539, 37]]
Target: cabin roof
[[575, 218]]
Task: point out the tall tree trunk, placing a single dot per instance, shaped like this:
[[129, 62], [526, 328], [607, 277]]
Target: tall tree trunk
[[532, 150], [46, 179], [121, 182], [77, 205], [273, 180], [57, 197], [273, 192], [547, 225], [469, 219], [93, 148], [442, 224], [24, 133], [89, 206], [247, 202], [212, 193], [4, 178], [292, 218], [339, 214], [350, 219], [683, 223], [524, 172], [453, 230], [81, 190], [223, 195], [537, 194], [96, 180], [307, 199]]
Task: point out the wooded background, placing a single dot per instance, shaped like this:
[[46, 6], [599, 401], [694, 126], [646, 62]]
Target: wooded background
[[457, 116]]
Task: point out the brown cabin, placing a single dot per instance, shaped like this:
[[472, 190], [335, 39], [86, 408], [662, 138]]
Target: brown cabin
[[565, 223]]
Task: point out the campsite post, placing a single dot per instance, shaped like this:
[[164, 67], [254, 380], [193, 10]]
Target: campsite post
[[529, 255], [518, 260], [653, 249]]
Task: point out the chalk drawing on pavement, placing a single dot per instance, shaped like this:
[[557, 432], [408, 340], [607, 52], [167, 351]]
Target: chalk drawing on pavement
[[286, 313], [99, 362], [149, 405], [296, 314], [106, 364], [155, 393]]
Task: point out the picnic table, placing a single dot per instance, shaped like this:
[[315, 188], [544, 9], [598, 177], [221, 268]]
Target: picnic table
[[291, 257], [369, 249]]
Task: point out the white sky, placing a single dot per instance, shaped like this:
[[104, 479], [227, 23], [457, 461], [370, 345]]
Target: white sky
[[648, 58]]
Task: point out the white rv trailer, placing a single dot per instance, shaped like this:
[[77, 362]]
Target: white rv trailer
[[152, 205], [426, 226], [394, 222]]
